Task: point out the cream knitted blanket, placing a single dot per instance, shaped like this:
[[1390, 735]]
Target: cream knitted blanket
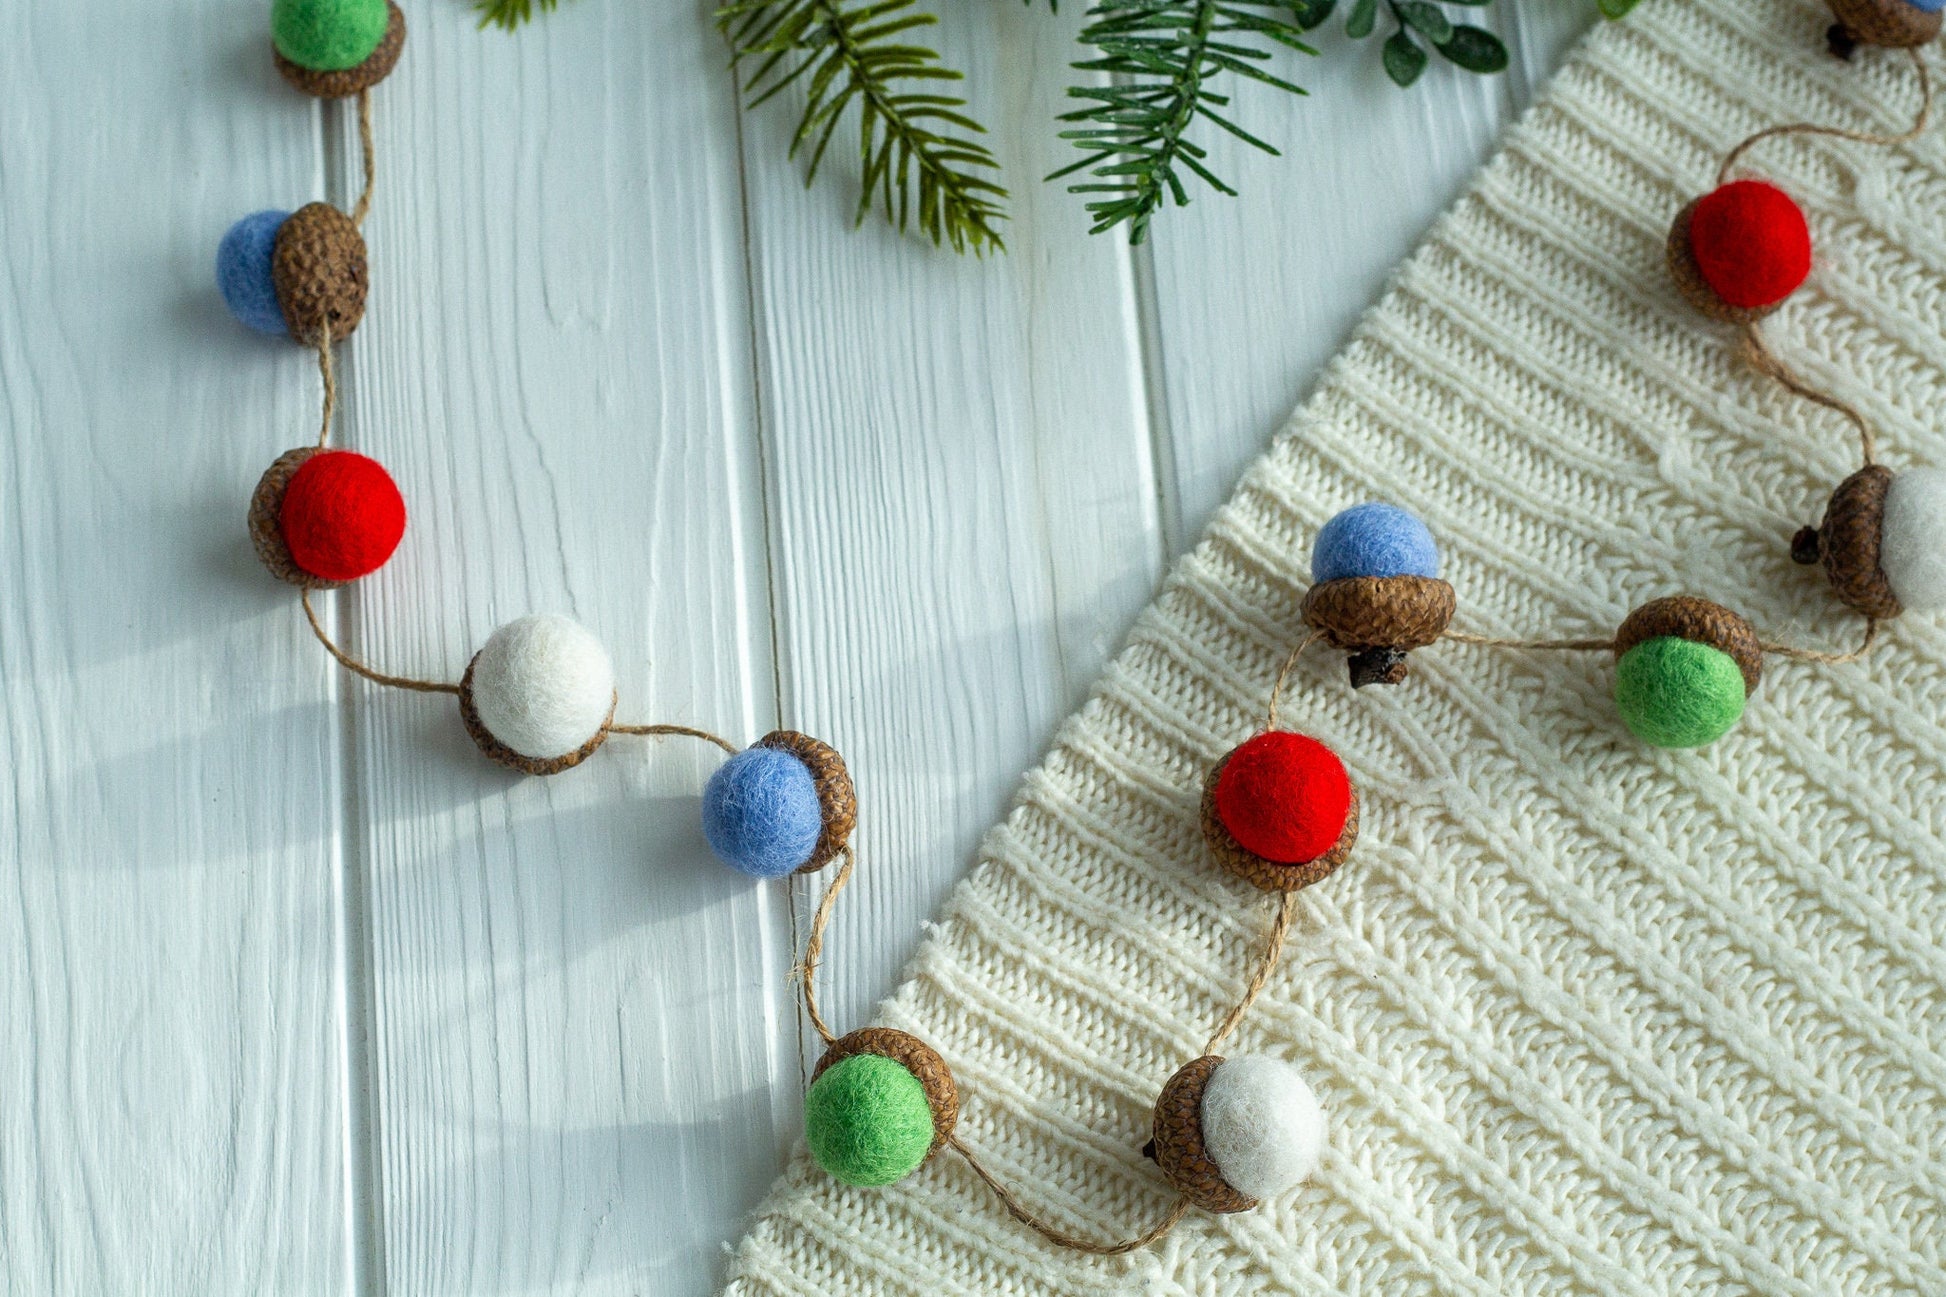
[[1584, 1016]]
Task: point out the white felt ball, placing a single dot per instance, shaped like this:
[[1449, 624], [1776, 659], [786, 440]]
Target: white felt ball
[[543, 686], [1912, 544], [1262, 1126]]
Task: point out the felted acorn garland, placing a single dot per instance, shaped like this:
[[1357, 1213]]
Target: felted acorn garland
[[1279, 810]]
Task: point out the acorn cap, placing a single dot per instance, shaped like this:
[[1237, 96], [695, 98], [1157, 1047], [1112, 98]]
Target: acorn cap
[[347, 82], [916, 1057], [318, 268], [1270, 875], [1894, 24], [266, 532], [837, 798], [482, 737], [1366, 612], [1847, 542], [1687, 617], [1178, 1134], [1689, 276]]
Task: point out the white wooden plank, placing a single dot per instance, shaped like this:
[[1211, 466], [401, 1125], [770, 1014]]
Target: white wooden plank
[[172, 1106], [1256, 292], [577, 1016], [963, 516]]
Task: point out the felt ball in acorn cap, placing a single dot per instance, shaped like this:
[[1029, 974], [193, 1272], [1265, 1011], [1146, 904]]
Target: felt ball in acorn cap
[[320, 518], [336, 48], [1738, 251], [1893, 24], [539, 696], [1685, 668], [784, 805], [293, 274], [1376, 592], [1883, 541], [1229, 1132], [1279, 811], [881, 1102]]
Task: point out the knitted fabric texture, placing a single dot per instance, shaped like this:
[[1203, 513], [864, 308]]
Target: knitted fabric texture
[[761, 813], [1584, 1016]]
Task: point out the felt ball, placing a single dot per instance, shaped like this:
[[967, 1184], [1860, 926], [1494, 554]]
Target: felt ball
[[761, 813], [868, 1121], [1285, 797], [243, 273], [1373, 540], [327, 35], [1676, 693], [341, 515], [1751, 243], [1262, 1125], [1912, 544], [1927, 6], [543, 686]]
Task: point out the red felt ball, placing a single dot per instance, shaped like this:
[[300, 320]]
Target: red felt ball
[[1751, 244], [342, 515], [1285, 797]]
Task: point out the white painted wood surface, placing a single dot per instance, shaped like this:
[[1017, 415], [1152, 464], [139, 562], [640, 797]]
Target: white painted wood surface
[[299, 994]]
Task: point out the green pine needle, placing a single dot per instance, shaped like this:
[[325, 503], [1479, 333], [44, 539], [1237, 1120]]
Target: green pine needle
[[919, 156], [509, 14], [1135, 134]]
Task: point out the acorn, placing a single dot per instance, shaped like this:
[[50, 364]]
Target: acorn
[[785, 805], [335, 49], [1376, 592], [539, 697], [1230, 1132], [1892, 24], [321, 518], [292, 274], [1883, 541], [1684, 669], [1280, 812], [1739, 251], [881, 1102]]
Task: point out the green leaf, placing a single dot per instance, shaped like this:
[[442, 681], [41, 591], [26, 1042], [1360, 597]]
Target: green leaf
[[1364, 16], [1425, 18], [1404, 60], [1311, 14], [509, 14], [1617, 8], [1475, 49]]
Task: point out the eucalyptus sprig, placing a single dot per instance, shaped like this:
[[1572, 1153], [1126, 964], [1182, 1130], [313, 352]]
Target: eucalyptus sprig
[[919, 156], [1469, 47], [1165, 58]]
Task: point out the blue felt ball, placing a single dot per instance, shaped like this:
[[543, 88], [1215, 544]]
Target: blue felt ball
[[761, 813], [1373, 540], [1927, 6], [243, 272]]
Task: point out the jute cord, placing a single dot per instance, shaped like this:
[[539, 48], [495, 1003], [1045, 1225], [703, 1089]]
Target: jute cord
[[1280, 931], [1838, 132], [1054, 1233], [353, 665], [328, 373], [806, 971], [1283, 677], [1761, 358], [368, 158], [680, 731]]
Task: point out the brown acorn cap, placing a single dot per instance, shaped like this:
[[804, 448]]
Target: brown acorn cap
[[1893, 24], [1366, 612], [483, 738], [318, 267], [1178, 1135], [1687, 617], [1689, 276], [266, 503], [916, 1057], [837, 799], [1848, 542], [1270, 875], [346, 82]]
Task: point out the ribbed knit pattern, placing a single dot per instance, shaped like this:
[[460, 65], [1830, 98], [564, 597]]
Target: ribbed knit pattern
[[1584, 1016]]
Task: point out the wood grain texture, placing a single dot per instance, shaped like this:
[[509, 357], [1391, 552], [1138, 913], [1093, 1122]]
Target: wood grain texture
[[172, 1101], [301, 994]]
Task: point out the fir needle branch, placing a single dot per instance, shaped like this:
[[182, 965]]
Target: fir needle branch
[[919, 156], [1135, 133], [509, 14]]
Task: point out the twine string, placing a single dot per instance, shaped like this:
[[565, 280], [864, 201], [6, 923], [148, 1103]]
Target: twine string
[[1283, 676], [1918, 127], [1765, 361], [1280, 930], [368, 157], [1054, 1233], [353, 665], [806, 971], [327, 372], [1820, 655], [1558, 645], [681, 731]]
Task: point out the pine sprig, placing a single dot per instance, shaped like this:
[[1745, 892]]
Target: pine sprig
[[920, 160], [509, 14], [1135, 133]]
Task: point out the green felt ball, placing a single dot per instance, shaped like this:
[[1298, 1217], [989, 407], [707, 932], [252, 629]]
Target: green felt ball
[[1676, 693], [328, 35], [867, 1120]]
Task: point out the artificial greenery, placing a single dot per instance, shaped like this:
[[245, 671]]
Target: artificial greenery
[[1472, 48]]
